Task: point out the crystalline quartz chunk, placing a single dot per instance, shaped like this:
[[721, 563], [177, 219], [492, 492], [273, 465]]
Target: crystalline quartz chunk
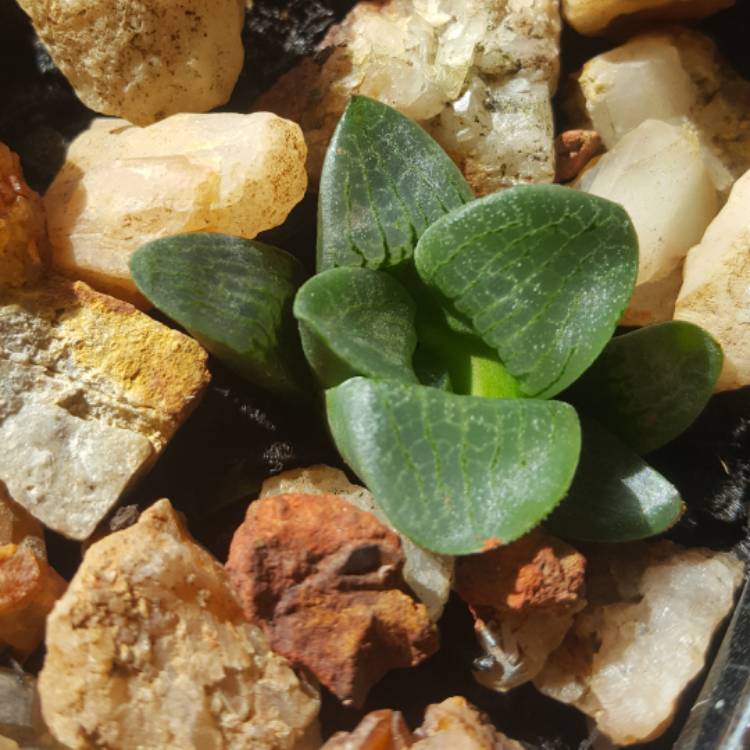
[[122, 186], [428, 574], [652, 611], [657, 174], [715, 293], [676, 76], [477, 74], [144, 60], [594, 17], [148, 648], [86, 403]]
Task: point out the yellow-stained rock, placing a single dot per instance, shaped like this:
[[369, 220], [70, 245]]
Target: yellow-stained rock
[[91, 390], [144, 60], [122, 186], [148, 648], [593, 17], [23, 240]]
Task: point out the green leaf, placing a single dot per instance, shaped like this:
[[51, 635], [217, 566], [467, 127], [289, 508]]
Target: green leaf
[[355, 321], [233, 295], [616, 496], [457, 474], [384, 181], [649, 385], [542, 272]]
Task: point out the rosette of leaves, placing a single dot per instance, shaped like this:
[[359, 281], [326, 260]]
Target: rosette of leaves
[[465, 346]]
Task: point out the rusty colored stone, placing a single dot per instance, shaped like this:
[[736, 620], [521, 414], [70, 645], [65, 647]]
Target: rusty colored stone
[[324, 579], [574, 149], [29, 588], [23, 238], [538, 571]]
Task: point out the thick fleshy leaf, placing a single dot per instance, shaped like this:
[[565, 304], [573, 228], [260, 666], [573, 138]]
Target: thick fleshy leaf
[[384, 181], [355, 321], [233, 295], [649, 385], [457, 474], [542, 272], [616, 496]]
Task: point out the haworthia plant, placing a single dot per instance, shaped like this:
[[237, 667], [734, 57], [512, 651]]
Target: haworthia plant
[[384, 181], [649, 385], [233, 295], [355, 321], [457, 474], [615, 496], [543, 273]]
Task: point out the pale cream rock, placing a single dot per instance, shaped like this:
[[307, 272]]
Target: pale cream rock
[[676, 76], [653, 609], [476, 74], [148, 648], [428, 574], [144, 60], [21, 723], [594, 17], [715, 293], [122, 186], [87, 401], [657, 174]]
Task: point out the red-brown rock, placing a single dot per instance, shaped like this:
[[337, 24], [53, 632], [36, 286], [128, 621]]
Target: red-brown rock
[[537, 571], [323, 578], [574, 149]]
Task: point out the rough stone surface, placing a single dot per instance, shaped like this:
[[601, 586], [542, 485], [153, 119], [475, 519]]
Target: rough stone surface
[[715, 293], [657, 174], [86, 401], [149, 648], [19, 527], [23, 240], [575, 149], [323, 578], [144, 60], [379, 730], [428, 574], [679, 77], [122, 186], [453, 724], [538, 571], [477, 74], [595, 17], [523, 597], [21, 723], [28, 589], [652, 611]]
